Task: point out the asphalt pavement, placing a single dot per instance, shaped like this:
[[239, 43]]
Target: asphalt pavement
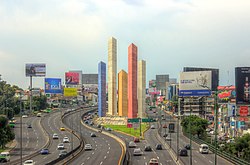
[[106, 150]]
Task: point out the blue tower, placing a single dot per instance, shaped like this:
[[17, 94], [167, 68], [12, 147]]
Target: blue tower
[[101, 89]]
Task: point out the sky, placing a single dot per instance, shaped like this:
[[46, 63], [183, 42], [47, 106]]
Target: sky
[[169, 34]]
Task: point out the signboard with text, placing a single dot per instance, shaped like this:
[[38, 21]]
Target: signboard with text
[[242, 78], [53, 85], [195, 84], [35, 70], [70, 92], [72, 78], [243, 110]]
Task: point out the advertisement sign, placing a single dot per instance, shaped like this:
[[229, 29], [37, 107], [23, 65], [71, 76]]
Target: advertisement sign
[[243, 110], [226, 93], [91, 88], [195, 84], [35, 70], [70, 92], [53, 85], [36, 92], [242, 78], [72, 78], [231, 110]]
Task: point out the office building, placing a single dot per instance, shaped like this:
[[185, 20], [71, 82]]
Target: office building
[[141, 88], [102, 89], [123, 93]]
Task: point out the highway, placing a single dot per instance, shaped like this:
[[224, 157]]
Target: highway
[[52, 124], [198, 158], [33, 138], [106, 150]]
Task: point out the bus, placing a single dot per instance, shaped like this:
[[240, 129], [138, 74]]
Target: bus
[[171, 127]]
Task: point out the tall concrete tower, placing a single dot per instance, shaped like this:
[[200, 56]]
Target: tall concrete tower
[[112, 71], [123, 93], [141, 88], [132, 81], [101, 89]]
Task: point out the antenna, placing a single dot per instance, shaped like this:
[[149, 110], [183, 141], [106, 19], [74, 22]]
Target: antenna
[[228, 77]]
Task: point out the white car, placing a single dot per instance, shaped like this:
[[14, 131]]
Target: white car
[[65, 140], [131, 144], [55, 136], [152, 127], [87, 147], [24, 116], [60, 146], [29, 162], [137, 152]]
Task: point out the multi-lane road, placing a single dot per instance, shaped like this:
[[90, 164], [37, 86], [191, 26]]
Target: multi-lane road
[[105, 150]]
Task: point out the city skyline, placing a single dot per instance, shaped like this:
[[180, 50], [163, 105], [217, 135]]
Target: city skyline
[[170, 34]]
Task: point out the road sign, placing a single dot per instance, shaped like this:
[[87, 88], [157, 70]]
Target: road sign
[[136, 125], [129, 125], [135, 120], [243, 110], [144, 120]]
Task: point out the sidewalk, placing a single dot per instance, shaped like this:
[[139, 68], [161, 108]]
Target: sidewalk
[[11, 145]]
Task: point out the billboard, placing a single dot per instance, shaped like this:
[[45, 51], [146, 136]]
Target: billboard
[[242, 78], [91, 88], [53, 85], [231, 110], [215, 74], [72, 78], [35, 70], [243, 111], [70, 92], [195, 84], [226, 93]]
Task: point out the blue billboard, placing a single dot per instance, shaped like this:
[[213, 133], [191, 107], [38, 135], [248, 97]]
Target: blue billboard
[[53, 85]]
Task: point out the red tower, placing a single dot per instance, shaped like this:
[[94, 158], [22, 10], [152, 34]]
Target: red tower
[[132, 81]]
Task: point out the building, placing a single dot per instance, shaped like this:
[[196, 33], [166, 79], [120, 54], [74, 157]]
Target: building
[[89, 78], [141, 88], [123, 93], [112, 70], [132, 81], [161, 83], [102, 89]]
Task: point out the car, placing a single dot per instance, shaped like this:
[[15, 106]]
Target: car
[[153, 161], [86, 122], [55, 136], [98, 126], [39, 115], [109, 129], [165, 135], [65, 140], [183, 152], [100, 130], [187, 146], [29, 162], [204, 149], [44, 151], [147, 148], [62, 129], [137, 152], [165, 126], [163, 118], [158, 147], [63, 153], [168, 138], [4, 157], [136, 140], [87, 147], [131, 144], [152, 126], [29, 126], [92, 135], [24, 116], [60, 146]]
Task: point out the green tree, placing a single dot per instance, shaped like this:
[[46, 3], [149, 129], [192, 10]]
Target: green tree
[[6, 134], [198, 126]]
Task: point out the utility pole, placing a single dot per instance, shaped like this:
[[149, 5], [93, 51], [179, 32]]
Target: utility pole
[[21, 133], [190, 135], [216, 125]]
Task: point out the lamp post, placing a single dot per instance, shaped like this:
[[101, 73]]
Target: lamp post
[[216, 125], [21, 131], [190, 135]]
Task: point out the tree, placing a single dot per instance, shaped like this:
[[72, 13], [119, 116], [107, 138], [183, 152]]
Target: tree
[[6, 134], [198, 126]]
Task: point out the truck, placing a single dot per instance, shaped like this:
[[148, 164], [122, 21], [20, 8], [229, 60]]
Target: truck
[[171, 127], [4, 157]]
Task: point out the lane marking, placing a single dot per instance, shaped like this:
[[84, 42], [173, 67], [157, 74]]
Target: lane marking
[[88, 158], [210, 161], [101, 163], [108, 152], [93, 153], [105, 157], [158, 157], [195, 161]]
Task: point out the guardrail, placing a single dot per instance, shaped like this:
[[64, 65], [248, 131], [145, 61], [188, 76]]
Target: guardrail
[[231, 158]]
